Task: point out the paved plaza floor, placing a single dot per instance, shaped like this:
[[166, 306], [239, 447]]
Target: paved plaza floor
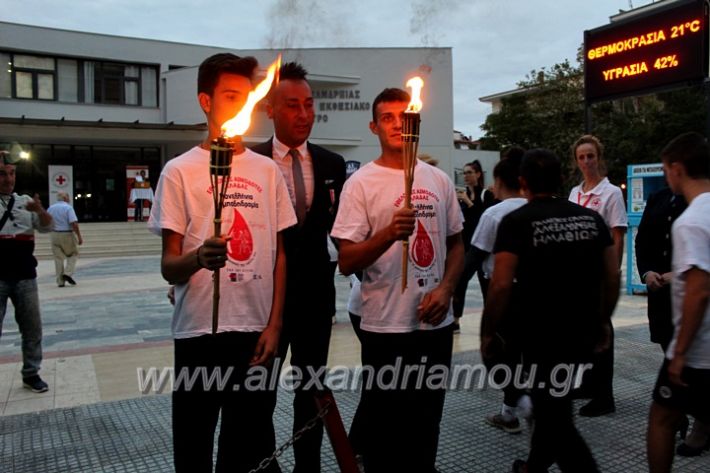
[[117, 319]]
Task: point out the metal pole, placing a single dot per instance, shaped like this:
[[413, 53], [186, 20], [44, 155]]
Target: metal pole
[[336, 432]]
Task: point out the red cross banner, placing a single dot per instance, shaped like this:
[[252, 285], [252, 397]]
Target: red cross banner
[[138, 192], [61, 179]]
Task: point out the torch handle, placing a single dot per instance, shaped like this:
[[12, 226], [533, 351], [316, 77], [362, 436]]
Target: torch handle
[[405, 241], [405, 264], [215, 281], [410, 140]]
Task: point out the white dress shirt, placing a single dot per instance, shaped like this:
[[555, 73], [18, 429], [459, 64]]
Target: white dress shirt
[[280, 153]]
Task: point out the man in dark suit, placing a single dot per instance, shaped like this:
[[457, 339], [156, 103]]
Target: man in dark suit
[[314, 177], [653, 259]]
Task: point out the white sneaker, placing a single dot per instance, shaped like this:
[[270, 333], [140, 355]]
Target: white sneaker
[[511, 426]]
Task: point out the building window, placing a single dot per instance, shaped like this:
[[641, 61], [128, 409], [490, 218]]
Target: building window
[[108, 83], [149, 86], [23, 76], [67, 80], [31, 77], [130, 85], [5, 75], [121, 84], [34, 77], [23, 85]]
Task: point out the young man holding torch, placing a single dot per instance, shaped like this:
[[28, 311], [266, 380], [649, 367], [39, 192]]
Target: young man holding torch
[[401, 330], [210, 369]]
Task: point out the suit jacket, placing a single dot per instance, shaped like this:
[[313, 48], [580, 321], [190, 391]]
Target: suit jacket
[[654, 250], [310, 273]]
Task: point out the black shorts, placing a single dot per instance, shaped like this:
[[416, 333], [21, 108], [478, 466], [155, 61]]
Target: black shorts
[[693, 399]]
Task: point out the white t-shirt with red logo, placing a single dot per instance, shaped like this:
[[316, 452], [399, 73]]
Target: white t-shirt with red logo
[[606, 199], [691, 249], [369, 199], [256, 207]]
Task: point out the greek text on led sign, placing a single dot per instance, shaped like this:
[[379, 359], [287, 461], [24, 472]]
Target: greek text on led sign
[[652, 37], [660, 48]]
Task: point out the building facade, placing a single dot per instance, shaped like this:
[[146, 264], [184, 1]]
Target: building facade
[[104, 107]]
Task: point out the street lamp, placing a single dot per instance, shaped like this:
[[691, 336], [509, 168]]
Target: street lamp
[[14, 154]]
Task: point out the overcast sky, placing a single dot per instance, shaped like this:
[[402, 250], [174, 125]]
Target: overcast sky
[[495, 42]]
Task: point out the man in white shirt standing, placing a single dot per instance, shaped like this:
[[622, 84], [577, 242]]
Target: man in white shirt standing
[[64, 246], [401, 330], [683, 385]]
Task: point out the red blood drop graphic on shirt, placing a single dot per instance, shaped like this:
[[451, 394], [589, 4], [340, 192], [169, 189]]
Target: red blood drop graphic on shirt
[[241, 246], [423, 248]]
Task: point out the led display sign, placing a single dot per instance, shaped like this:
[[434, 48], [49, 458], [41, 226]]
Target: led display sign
[[665, 47]]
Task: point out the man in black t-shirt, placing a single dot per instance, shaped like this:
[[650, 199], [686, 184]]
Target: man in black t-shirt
[[561, 256]]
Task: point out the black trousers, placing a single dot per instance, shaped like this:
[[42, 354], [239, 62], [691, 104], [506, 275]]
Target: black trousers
[[510, 356], [138, 210], [308, 336], [246, 433], [555, 438], [510, 352], [401, 416], [469, 269], [660, 318], [356, 434], [598, 382]]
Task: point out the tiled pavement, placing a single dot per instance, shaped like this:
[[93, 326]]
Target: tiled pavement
[[117, 301], [134, 435], [88, 365]]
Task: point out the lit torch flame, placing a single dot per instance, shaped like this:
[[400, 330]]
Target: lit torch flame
[[410, 142], [241, 121], [416, 84]]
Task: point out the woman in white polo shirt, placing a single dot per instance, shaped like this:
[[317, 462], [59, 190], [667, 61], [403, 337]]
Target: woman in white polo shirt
[[597, 193]]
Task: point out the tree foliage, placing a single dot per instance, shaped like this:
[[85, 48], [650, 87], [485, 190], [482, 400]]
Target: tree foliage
[[548, 112]]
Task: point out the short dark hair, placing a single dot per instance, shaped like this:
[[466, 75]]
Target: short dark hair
[[289, 71], [389, 95], [292, 71], [515, 152], [223, 63], [542, 171], [508, 169], [692, 151]]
